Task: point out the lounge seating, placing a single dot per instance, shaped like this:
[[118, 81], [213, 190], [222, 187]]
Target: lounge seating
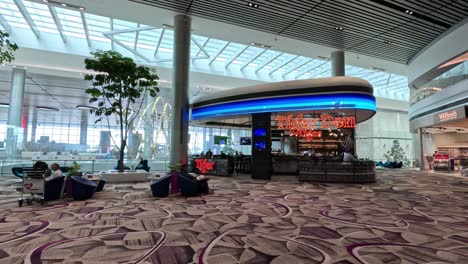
[[53, 189], [100, 185], [188, 187], [18, 172], [160, 187], [82, 188], [143, 166], [390, 164]]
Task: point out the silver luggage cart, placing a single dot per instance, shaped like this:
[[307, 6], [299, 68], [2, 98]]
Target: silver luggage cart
[[33, 186]]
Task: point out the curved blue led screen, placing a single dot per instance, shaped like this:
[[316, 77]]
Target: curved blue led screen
[[284, 104]]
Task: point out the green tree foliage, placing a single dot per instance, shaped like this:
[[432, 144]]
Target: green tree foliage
[[7, 47], [118, 82], [229, 147]]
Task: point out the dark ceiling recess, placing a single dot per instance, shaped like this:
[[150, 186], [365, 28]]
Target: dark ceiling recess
[[393, 30]]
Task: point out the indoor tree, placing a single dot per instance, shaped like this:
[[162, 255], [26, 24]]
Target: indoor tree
[[7, 47], [116, 86]]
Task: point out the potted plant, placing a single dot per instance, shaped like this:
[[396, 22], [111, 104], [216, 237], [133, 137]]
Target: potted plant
[[117, 85], [7, 47], [74, 169]]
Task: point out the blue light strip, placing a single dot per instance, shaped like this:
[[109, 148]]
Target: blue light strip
[[284, 104]]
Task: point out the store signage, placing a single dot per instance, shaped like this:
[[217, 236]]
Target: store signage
[[204, 165], [307, 127], [441, 156], [450, 115], [446, 116]]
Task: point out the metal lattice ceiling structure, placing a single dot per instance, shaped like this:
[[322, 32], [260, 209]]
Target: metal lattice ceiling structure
[[154, 45], [386, 29]]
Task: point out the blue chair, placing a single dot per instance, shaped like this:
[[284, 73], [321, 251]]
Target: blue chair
[[160, 187], [188, 187], [100, 185], [82, 188], [18, 172], [53, 188]]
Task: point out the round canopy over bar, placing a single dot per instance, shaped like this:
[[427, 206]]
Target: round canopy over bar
[[340, 93]]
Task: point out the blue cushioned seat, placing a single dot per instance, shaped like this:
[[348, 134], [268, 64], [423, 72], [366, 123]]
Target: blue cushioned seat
[[160, 187], [18, 171], [188, 187], [82, 188], [53, 188]]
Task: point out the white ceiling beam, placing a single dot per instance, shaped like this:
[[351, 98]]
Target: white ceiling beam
[[236, 56], [5, 24], [85, 28], [112, 29], [57, 22], [268, 61], [254, 58], [201, 49], [111, 37], [159, 42], [310, 69], [297, 67], [27, 17], [137, 34], [279, 66], [218, 53]]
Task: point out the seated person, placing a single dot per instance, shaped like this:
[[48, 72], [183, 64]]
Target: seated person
[[55, 173], [348, 157]]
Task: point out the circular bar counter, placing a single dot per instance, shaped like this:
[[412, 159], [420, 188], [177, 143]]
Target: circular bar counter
[[310, 169]]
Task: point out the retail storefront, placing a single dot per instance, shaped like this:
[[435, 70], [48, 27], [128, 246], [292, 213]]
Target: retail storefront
[[299, 128]]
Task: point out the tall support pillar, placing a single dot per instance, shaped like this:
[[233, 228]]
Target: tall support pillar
[[15, 113], [261, 166], [33, 126], [148, 128], [180, 104], [84, 127], [338, 63]]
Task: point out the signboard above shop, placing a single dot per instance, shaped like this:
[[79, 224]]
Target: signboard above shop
[[450, 115]]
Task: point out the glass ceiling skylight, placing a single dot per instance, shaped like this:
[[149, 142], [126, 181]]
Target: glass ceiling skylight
[[155, 44]]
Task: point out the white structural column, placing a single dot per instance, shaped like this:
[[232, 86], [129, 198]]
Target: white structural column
[[15, 113], [33, 126], [338, 63], [148, 128], [84, 127], [180, 80]]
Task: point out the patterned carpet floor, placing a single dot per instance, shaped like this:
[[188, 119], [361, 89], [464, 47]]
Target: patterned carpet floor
[[406, 217]]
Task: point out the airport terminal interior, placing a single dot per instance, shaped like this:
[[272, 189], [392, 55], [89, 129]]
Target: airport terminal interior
[[233, 131]]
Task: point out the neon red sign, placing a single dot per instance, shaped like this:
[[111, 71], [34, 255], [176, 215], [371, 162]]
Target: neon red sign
[[203, 165], [306, 127]]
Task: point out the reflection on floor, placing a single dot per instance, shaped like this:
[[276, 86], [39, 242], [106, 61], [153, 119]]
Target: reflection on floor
[[407, 217]]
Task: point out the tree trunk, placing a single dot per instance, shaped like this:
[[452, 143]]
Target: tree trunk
[[123, 144]]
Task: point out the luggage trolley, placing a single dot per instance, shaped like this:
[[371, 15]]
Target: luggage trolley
[[33, 184]]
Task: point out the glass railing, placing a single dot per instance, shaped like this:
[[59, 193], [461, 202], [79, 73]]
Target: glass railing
[[441, 82]]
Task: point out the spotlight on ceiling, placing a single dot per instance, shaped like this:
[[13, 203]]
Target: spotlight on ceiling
[[409, 12], [387, 42], [339, 28], [253, 5], [45, 108]]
